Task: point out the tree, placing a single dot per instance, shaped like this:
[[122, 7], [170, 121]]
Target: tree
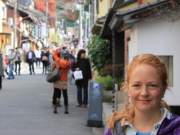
[[100, 53]]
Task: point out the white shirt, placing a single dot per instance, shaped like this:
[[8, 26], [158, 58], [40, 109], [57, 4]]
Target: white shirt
[[30, 55], [37, 54]]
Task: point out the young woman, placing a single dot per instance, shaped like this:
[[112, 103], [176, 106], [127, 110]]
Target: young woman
[[82, 64], [61, 85], [145, 113]]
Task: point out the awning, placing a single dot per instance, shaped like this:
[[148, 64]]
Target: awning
[[130, 17], [96, 29], [106, 31], [120, 20], [33, 14], [28, 39], [5, 33]]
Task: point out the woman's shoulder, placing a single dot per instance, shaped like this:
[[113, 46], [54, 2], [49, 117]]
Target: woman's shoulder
[[174, 120], [114, 125], [116, 130], [108, 131], [170, 125]]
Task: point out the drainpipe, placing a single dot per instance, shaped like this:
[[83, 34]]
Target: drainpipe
[[115, 86], [114, 25], [15, 24], [46, 15]]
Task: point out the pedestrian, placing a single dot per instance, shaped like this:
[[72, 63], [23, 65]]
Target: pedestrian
[[11, 57], [56, 98], [45, 60], [82, 64], [145, 112], [61, 85], [6, 64], [38, 57], [17, 62], [30, 59], [1, 69]]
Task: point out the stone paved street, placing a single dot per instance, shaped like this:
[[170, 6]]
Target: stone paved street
[[26, 109]]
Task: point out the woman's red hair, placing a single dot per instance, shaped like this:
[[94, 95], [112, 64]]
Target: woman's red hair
[[127, 112]]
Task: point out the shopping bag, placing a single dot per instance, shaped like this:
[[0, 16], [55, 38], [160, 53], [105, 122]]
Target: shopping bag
[[53, 75], [78, 75]]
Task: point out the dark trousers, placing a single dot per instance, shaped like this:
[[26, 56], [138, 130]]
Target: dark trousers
[[31, 67], [57, 95], [18, 67], [10, 73], [38, 62], [45, 66], [82, 89]]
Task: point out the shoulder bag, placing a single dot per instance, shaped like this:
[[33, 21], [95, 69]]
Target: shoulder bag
[[54, 75]]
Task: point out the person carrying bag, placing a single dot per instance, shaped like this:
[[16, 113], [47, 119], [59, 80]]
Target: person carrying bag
[[82, 74], [61, 84], [78, 75]]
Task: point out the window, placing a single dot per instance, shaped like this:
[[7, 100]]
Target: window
[[168, 60]]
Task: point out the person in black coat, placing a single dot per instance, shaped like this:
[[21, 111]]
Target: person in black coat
[[82, 64], [1, 69], [45, 60], [30, 59]]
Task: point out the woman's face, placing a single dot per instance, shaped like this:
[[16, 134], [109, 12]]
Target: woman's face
[[145, 88], [83, 55]]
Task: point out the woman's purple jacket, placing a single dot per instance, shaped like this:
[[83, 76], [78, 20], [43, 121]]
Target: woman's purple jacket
[[168, 127]]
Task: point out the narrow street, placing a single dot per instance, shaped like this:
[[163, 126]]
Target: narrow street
[[26, 109]]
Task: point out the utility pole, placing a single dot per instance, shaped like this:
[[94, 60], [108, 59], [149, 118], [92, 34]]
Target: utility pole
[[15, 25], [46, 14], [81, 25], [113, 71]]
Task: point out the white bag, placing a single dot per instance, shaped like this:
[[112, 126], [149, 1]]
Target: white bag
[[78, 75]]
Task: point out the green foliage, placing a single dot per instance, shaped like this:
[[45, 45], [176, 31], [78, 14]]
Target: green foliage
[[99, 52], [106, 81]]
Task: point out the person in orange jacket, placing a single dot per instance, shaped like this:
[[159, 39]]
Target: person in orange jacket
[[61, 85]]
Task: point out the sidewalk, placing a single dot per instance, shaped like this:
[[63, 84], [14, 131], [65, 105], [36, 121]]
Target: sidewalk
[[107, 111], [26, 109]]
